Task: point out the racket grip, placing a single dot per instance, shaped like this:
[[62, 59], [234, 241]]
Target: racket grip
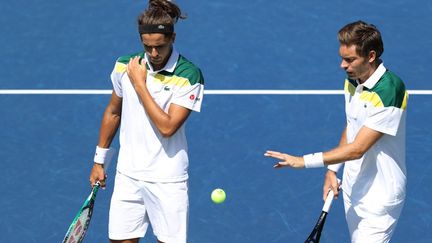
[[330, 197], [328, 201]]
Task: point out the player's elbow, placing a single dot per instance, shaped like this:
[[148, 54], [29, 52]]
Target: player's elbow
[[356, 155], [167, 132], [357, 152], [168, 128]]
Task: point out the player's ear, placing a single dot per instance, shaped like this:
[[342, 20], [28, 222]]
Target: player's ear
[[372, 56]]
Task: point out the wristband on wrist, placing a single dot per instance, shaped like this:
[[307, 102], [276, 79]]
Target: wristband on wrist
[[334, 167], [102, 155], [314, 160]]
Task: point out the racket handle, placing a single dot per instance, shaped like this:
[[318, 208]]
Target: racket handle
[[97, 184], [328, 201], [330, 197]]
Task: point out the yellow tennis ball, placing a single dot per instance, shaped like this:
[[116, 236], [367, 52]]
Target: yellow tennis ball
[[218, 196]]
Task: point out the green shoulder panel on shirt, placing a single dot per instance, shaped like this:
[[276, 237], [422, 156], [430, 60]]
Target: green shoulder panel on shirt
[[125, 59], [188, 70], [122, 62], [184, 69], [391, 90]]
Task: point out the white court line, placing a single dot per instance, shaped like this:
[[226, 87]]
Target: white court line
[[207, 92], [54, 91]]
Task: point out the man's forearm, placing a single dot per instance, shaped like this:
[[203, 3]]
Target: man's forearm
[[109, 126]]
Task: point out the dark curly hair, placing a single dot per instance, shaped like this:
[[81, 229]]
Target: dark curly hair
[[160, 12]]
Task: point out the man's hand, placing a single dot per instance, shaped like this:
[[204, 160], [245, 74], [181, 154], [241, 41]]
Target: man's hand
[[97, 174], [330, 183], [137, 72], [286, 160]]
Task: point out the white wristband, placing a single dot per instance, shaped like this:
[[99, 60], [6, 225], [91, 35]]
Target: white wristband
[[314, 160], [334, 167], [103, 155]]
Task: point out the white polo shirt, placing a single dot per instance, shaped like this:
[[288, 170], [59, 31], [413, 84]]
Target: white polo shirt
[[144, 153], [379, 104]]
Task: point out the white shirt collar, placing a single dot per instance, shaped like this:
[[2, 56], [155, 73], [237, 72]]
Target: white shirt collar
[[375, 77], [169, 66]]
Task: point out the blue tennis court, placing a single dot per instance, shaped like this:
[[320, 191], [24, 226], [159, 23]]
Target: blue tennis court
[[48, 140]]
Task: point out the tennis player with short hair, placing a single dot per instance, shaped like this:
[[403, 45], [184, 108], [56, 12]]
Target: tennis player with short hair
[[372, 145], [154, 92]]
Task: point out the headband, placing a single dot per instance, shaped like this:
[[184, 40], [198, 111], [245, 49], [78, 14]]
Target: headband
[[156, 28]]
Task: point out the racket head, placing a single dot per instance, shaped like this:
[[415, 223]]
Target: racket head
[[81, 222]]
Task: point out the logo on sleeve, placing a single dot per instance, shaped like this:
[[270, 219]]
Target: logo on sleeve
[[194, 98]]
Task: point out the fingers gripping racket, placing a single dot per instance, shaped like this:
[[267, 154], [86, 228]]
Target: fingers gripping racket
[[81, 222], [315, 235]]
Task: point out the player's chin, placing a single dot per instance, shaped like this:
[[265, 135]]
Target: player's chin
[[156, 61], [351, 75]]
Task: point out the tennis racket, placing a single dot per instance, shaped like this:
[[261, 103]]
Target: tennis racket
[[315, 235], [81, 222]]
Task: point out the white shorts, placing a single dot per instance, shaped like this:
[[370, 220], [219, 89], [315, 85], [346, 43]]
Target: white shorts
[[371, 223], [136, 204]]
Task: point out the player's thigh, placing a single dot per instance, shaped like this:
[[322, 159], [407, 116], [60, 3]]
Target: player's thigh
[[127, 217], [372, 222], [168, 209], [374, 230]]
